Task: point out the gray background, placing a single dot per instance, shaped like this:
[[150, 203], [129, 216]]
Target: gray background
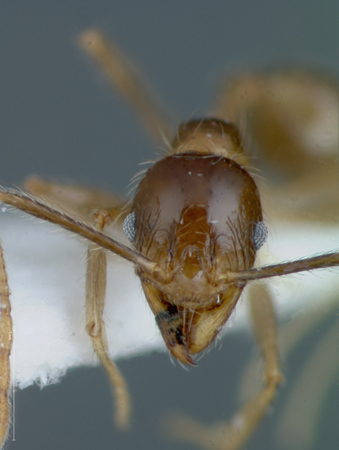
[[59, 120]]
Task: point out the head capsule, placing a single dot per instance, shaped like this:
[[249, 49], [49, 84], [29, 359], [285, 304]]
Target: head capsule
[[196, 215]]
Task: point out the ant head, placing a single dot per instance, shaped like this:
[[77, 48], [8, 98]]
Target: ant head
[[197, 215]]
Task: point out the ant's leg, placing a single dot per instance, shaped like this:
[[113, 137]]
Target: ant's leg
[[290, 335], [6, 340], [128, 81], [95, 302], [232, 435], [317, 375], [76, 200]]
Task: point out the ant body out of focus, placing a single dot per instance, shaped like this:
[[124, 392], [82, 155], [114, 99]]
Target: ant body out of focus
[[194, 228]]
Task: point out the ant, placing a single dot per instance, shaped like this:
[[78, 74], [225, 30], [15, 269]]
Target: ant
[[194, 229]]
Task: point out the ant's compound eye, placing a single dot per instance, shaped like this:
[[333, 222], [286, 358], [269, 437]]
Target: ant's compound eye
[[129, 226], [259, 235]]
